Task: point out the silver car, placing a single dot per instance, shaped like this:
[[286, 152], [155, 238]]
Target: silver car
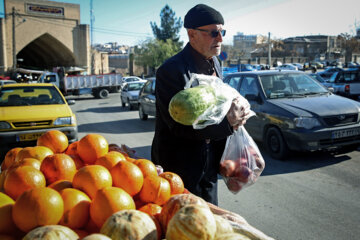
[[130, 94]]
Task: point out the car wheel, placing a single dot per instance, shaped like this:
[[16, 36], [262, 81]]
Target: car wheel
[[142, 115], [103, 93], [122, 102], [131, 107], [275, 144]]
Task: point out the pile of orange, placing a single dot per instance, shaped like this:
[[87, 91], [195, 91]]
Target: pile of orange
[[78, 185]]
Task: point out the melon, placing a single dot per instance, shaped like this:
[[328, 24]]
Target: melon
[[188, 104]]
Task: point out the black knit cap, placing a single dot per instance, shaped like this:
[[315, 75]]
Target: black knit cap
[[202, 15]]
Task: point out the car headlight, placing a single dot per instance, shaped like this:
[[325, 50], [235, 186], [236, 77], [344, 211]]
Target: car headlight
[[306, 122], [4, 125], [65, 121]]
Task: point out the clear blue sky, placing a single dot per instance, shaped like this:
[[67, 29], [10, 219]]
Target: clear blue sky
[[128, 22]]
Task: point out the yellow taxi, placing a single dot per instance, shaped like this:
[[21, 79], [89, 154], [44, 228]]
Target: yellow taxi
[[27, 110]]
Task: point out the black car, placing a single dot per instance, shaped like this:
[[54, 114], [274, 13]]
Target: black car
[[147, 99], [296, 113]]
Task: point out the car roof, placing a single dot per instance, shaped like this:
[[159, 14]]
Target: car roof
[[140, 81], [28, 84], [265, 72]]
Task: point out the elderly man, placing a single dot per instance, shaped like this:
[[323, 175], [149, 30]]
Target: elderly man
[[193, 154]]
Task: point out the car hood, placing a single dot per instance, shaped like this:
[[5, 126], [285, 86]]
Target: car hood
[[134, 93], [28, 113], [324, 105]]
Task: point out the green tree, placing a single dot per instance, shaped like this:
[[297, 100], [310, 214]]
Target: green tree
[[154, 52], [169, 26]]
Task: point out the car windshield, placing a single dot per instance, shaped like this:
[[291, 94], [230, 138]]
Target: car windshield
[[290, 85], [135, 86], [29, 95]]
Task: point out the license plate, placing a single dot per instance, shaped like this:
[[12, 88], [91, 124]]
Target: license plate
[[345, 133], [29, 137]]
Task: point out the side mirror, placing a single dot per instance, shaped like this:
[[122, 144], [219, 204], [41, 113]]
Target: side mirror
[[331, 89], [71, 102]]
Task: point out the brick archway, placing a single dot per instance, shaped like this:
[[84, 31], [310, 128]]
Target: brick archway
[[45, 51]]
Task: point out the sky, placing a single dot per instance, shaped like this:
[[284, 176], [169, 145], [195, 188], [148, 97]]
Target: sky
[[128, 22]]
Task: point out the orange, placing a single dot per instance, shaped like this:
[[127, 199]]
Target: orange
[[56, 140], [10, 158], [110, 159], [7, 224], [147, 167], [151, 209], [77, 160], [72, 148], [91, 227], [108, 201], [176, 183], [60, 185], [76, 208], [32, 162], [21, 179], [91, 178], [155, 190], [116, 148], [131, 159], [91, 147], [127, 176], [37, 152], [58, 166], [38, 207], [2, 179]]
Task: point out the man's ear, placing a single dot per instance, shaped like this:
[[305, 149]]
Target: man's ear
[[191, 33]]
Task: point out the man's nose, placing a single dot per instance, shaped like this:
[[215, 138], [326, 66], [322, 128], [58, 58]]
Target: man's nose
[[219, 37]]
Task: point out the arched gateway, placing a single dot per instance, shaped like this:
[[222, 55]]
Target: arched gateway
[[41, 35]]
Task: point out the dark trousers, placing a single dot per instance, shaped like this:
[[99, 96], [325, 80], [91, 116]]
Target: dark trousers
[[207, 187]]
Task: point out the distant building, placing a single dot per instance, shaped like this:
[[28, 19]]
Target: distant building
[[247, 43], [314, 46]]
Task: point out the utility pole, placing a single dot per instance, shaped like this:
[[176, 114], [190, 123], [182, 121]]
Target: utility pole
[[92, 38], [13, 38], [269, 50]]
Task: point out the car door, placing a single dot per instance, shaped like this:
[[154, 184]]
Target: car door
[[124, 93], [249, 88], [148, 98]]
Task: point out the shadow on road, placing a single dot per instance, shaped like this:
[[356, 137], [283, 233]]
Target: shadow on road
[[110, 109], [119, 126], [301, 161]]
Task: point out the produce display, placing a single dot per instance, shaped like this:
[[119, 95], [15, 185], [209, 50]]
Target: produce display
[[51, 191]]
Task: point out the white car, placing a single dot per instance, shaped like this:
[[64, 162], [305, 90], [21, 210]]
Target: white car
[[130, 79], [287, 66], [130, 93]]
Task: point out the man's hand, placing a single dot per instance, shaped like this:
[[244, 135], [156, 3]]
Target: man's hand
[[238, 113]]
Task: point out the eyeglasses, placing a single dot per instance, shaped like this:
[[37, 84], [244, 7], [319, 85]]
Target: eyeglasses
[[213, 33]]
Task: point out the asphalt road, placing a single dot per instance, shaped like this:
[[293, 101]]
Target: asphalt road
[[310, 196]]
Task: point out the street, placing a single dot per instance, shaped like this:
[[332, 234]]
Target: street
[[309, 196]]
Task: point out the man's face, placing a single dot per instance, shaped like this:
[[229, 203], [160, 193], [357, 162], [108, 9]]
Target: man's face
[[202, 40]]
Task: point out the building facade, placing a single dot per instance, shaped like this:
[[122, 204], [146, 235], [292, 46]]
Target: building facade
[[40, 34], [247, 43]]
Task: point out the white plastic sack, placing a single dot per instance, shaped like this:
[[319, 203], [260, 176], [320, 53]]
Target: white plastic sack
[[224, 95], [241, 163]]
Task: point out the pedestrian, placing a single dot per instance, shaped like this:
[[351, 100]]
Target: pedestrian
[[193, 154]]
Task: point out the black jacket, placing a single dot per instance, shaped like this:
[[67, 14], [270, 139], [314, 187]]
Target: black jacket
[[179, 148]]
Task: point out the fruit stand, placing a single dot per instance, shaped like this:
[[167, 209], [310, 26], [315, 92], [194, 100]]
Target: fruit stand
[[94, 190]]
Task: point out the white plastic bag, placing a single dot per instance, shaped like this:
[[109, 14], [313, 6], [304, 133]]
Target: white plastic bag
[[241, 163], [224, 95]]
